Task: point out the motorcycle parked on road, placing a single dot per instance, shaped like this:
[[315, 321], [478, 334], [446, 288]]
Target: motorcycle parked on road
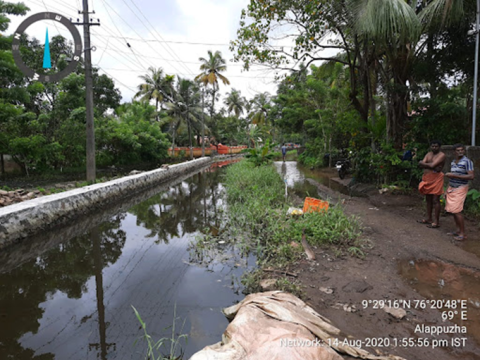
[[343, 167]]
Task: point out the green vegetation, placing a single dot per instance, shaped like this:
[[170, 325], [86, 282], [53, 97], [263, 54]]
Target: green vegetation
[[164, 348], [258, 221], [472, 203], [260, 156], [370, 101], [374, 95]]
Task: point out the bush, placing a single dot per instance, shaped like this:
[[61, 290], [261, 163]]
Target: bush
[[472, 202]]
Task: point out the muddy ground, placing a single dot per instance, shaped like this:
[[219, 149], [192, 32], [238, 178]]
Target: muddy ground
[[405, 261]]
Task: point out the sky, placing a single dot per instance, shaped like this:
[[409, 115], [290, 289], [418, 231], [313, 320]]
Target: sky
[[171, 34]]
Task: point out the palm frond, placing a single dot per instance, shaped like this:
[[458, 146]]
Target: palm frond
[[391, 22], [441, 13]]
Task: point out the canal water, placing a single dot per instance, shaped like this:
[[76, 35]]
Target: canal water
[[296, 178], [74, 300]]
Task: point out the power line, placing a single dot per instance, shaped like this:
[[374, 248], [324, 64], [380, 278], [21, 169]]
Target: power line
[[114, 78], [106, 3], [119, 31], [230, 76], [194, 43], [186, 62], [176, 42], [42, 4], [135, 64], [160, 36]]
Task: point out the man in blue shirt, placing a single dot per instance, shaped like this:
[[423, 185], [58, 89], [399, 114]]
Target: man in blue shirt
[[284, 151], [461, 172]]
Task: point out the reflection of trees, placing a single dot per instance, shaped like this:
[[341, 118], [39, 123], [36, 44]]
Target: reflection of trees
[[65, 268], [185, 208]]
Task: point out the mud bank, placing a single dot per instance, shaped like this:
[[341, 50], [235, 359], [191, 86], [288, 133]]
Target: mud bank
[[24, 219]]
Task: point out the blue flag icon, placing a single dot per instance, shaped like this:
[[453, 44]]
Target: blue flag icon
[[47, 64]]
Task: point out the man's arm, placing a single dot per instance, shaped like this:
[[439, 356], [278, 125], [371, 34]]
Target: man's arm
[[470, 176], [423, 163], [440, 159]]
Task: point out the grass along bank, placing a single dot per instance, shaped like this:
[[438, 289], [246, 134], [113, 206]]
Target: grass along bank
[[257, 221]]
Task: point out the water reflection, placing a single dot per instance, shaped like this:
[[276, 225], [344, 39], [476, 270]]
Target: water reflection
[[299, 179], [181, 209], [74, 300], [64, 269]]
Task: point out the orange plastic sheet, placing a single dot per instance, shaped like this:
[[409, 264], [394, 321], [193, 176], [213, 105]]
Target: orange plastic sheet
[[312, 204], [277, 325]]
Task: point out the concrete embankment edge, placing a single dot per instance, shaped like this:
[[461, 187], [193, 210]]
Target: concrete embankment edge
[[24, 219]]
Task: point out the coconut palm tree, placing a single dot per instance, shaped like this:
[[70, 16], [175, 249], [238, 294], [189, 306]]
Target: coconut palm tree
[[235, 102], [260, 105], [156, 86], [211, 69], [185, 107]]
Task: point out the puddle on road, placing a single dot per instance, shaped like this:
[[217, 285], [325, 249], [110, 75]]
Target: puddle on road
[[296, 177], [75, 300], [437, 280]]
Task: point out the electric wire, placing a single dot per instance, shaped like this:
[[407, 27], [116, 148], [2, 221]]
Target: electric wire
[[114, 78], [116, 27], [230, 76], [54, 22], [39, 3], [160, 36], [194, 43], [120, 43], [121, 60], [173, 65]]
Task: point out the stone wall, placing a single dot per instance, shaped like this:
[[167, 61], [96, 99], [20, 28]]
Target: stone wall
[[22, 220], [473, 153]]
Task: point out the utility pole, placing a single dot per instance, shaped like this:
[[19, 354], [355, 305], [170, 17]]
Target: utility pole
[[89, 92], [203, 123], [475, 80]]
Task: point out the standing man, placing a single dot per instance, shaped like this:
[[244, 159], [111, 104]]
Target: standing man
[[461, 172], [284, 151], [432, 182]]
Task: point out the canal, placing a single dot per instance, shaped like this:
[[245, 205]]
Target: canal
[[74, 300]]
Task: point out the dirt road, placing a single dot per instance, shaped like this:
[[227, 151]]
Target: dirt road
[[419, 267]]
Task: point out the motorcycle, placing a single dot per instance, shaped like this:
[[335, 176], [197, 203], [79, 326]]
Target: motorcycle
[[343, 167]]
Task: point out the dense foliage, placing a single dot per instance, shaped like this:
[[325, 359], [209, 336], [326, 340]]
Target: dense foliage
[[401, 75]]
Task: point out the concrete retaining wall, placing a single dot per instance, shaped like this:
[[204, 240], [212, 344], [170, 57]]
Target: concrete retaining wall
[[29, 217], [473, 153]]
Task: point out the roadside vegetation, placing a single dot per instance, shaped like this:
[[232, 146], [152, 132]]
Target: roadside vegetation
[[257, 221]]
